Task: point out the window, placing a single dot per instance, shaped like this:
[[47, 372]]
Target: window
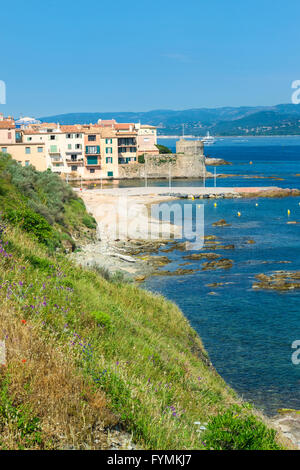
[[108, 150], [40, 149], [73, 168], [78, 136], [29, 139], [91, 138], [9, 135], [109, 160], [27, 150], [92, 160], [110, 173], [92, 149], [74, 158], [77, 146], [27, 162], [127, 141], [108, 141], [92, 170], [4, 149], [69, 136], [69, 146], [52, 137], [53, 149]]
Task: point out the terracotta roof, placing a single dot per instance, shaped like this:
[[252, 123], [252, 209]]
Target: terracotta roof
[[28, 132], [124, 126], [106, 122], [47, 124], [75, 128], [7, 124], [108, 133]]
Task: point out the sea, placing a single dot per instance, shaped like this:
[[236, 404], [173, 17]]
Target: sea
[[249, 334]]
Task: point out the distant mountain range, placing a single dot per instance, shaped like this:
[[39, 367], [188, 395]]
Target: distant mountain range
[[282, 119]]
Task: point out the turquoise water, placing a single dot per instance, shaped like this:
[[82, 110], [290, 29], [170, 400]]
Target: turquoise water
[[248, 333]]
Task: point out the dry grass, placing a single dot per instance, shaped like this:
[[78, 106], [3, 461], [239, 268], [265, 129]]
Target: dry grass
[[71, 412], [145, 357]]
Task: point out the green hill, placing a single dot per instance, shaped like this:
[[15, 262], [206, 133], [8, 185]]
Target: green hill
[[85, 354], [282, 119]]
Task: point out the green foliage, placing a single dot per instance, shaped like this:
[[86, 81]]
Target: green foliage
[[141, 158], [27, 425], [31, 222], [235, 429], [163, 149], [42, 198], [89, 221], [37, 262], [102, 319]]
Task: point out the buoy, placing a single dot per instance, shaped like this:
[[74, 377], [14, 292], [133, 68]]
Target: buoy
[[239, 214], [215, 204], [250, 163], [256, 204], [289, 212]]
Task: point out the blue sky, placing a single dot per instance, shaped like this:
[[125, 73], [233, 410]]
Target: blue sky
[[71, 56]]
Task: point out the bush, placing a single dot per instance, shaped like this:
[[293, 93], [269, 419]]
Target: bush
[[235, 430], [103, 319], [141, 158], [89, 221], [163, 149], [31, 222]]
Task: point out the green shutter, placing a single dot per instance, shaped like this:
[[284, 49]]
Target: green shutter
[[91, 160]]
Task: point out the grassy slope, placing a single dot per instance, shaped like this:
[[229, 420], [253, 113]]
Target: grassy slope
[[130, 351]]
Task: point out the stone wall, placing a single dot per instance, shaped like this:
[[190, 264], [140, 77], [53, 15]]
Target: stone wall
[[160, 166]]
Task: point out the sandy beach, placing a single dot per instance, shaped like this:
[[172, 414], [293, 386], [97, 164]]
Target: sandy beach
[[128, 217]]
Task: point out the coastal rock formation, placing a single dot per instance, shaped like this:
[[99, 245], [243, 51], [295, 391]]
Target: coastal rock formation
[[221, 223], [177, 272], [196, 256], [278, 280], [223, 263], [216, 161]]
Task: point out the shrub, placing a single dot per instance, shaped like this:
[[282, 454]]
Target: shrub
[[234, 430], [103, 319], [31, 222], [89, 221], [163, 149], [141, 158], [37, 262]]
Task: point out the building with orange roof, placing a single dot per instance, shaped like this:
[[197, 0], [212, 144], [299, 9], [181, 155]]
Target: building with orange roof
[[86, 151]]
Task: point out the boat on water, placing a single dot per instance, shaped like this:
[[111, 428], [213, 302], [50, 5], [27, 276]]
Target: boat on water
[[208, 139]]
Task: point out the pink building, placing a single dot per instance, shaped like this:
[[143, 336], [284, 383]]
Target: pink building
[[7, 131]]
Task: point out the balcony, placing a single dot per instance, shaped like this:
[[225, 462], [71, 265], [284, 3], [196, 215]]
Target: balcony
[[76, 151], [127, 142], [92, 161], [57, 159], [54, 150], [77, 161]]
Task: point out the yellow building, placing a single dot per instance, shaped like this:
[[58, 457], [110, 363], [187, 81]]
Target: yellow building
[[27, 154]]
